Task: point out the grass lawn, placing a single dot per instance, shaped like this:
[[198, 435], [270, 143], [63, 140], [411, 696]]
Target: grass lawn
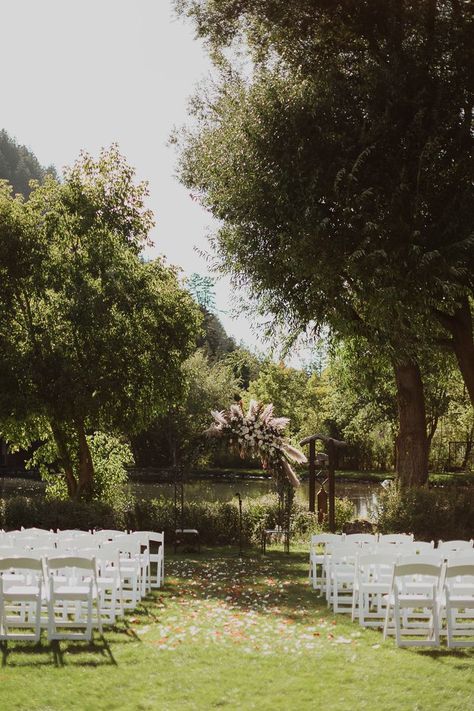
[[236, 633]]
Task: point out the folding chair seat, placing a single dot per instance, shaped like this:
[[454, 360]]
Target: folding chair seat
[[413, 601], [21, 595], [457, 604], [317, 549], [372, 583], [73, 598]]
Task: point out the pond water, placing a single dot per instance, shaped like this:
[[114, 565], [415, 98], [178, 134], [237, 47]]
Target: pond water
[[364, 495]]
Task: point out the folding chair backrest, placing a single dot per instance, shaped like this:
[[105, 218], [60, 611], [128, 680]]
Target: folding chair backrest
[[376, 565], [431, 556], [397, 538], [128, 545], [108, 553], [361, 538], [108, 534], [419, 547], [344, 553], [462, 557], [447, 546], [85, 566], [424, 568], [76, 543], [460, 570], [20, 563], [33, 542]]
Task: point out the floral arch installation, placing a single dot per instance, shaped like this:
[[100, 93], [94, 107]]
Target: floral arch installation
[[258, 434]]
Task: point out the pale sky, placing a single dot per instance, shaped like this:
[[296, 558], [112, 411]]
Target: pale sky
[[83, 74]]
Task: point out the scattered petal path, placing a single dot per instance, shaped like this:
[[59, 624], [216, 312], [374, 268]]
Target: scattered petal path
[[249, 602]]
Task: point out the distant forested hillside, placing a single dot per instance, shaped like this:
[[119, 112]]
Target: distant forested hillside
[[19, 165]]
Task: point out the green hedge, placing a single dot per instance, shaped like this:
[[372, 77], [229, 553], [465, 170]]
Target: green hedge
[[217, 522], [430, 514]]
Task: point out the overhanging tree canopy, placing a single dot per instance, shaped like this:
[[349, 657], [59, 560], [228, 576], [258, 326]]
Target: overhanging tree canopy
[[342, 170]]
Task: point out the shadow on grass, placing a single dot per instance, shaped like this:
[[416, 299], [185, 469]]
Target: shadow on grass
[[464, 656], [62, 653]]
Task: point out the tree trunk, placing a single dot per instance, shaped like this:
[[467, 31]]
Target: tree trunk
[[65, 459], [86, 467], [460, 327], [412, 442]]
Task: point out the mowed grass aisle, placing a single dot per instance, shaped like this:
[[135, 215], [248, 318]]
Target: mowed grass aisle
[[241, 634]]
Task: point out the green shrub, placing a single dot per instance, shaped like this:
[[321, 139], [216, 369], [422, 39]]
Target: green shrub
[[24, 511], [217, 522], [430, 514]]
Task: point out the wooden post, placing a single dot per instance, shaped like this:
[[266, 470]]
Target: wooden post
[[332, 487], [322, 503], [331, 445], [312, 476]]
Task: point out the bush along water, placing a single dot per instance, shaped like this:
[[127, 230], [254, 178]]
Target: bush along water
[[430, 514], [217, 522]]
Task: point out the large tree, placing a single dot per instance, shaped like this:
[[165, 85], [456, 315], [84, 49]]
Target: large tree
[[91, 335], [342, 172]]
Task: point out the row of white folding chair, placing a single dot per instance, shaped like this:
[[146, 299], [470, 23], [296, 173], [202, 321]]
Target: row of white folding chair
[[373, 586], [424, 594], [127, 569], [373, 578], [343, 572], [60, 593], [319, 543], [320, 561], [141, 554], [73, 539]]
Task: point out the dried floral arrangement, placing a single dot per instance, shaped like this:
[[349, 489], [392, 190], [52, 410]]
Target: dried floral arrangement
[[258, 434]]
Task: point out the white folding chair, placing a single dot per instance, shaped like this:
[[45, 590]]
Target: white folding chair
[[339, 567], [458, 604], [412, 604], [108, 581], [132, 568], [372, 583], [317, 548], [154, 552], [73, 598], [21, 589]]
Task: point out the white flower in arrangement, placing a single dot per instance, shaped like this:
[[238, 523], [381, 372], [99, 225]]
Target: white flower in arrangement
[[259, 432]]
